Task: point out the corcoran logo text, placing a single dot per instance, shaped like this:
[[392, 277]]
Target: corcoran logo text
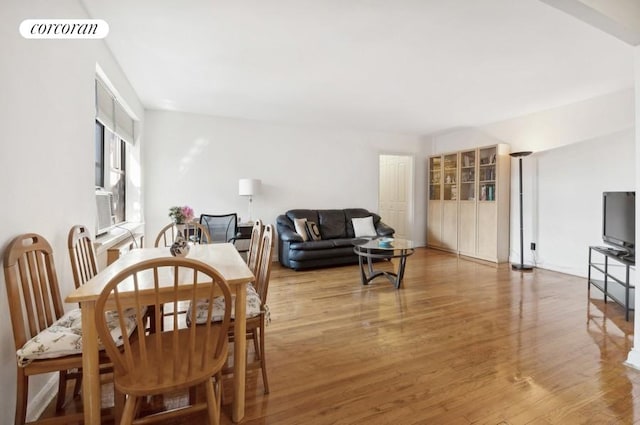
[[64, 28]]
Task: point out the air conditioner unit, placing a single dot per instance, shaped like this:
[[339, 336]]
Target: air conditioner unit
[[104, 205]]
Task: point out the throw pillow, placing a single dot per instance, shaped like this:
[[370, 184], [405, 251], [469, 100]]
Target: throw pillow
[[314, 231], [363, 227], [301, 228]]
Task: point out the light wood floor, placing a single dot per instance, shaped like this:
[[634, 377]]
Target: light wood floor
[[460, 343]]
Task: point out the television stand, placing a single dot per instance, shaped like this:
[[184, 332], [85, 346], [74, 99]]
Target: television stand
[[614, 285]]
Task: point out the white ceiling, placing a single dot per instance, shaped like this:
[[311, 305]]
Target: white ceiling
[[406, 66]]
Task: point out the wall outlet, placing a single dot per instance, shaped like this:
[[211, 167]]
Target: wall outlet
[[533, 246]]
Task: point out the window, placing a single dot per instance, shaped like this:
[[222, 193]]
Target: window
[[114, 130], [111, 174]]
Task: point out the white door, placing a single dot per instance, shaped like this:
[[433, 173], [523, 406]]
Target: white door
[[395, 193]]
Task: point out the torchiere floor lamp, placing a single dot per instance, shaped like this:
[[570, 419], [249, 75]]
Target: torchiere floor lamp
[[521, 266]]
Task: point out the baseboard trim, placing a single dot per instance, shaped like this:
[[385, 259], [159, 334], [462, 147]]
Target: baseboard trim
[[37, 405]]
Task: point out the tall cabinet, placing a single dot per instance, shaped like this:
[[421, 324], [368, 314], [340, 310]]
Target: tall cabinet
[[468, 210]]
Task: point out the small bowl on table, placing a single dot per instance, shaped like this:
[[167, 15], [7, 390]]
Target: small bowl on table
[[385, 242]]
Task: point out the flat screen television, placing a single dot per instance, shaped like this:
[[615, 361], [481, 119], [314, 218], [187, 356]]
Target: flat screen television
[[619, 220]]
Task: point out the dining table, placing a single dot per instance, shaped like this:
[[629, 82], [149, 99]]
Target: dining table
[[224, 257]]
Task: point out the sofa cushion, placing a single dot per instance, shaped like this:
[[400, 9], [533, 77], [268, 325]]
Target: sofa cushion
[[313, 231], [363, 227], [351, 213], [332, 224], [301, 228]]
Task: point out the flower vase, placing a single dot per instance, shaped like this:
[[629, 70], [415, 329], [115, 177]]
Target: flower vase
[[180, 246]]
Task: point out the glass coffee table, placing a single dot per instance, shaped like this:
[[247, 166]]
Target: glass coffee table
[[383, 249]]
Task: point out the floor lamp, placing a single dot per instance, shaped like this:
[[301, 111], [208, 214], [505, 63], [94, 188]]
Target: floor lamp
[[249, 187], [521, 266]]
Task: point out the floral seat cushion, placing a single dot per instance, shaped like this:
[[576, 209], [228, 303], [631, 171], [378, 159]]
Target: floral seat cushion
[[253, 307], [64, 337]]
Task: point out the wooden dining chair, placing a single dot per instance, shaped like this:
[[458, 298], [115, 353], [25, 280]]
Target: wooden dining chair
[[84, 266], [257, 310], [177, 357], [253, 254], [166, 237], [194, 232], [83, 257], [257, 318], [46, 338]]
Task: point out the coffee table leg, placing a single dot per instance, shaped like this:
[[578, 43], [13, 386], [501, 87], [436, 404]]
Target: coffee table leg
[[363, 275], [370, 263], [400, 272]]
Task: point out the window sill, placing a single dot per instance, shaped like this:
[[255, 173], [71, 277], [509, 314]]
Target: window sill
[[117, 235]]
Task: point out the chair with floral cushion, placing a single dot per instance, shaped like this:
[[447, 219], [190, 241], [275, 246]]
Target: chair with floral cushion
[[46, 338], [198, 234], [175, 358], [257, 308], [256, 322], [84, 266]]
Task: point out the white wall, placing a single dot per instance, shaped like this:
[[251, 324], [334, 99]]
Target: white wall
[[580, 150], [196, 160], [46, 166]]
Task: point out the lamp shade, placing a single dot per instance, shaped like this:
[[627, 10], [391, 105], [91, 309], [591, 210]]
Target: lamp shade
[[248, 187]]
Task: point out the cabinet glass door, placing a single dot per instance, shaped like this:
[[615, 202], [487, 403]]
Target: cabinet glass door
[[487, 174], [435, 178], [450, 177], [468, 176]]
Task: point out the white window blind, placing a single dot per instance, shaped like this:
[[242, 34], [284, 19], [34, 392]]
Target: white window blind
[[112, 114]]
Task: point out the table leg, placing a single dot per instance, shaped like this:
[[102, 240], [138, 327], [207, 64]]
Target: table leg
[[400, 271], [396, 265], [369, 262], [363, 275], [239, 353], [90, 365]]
